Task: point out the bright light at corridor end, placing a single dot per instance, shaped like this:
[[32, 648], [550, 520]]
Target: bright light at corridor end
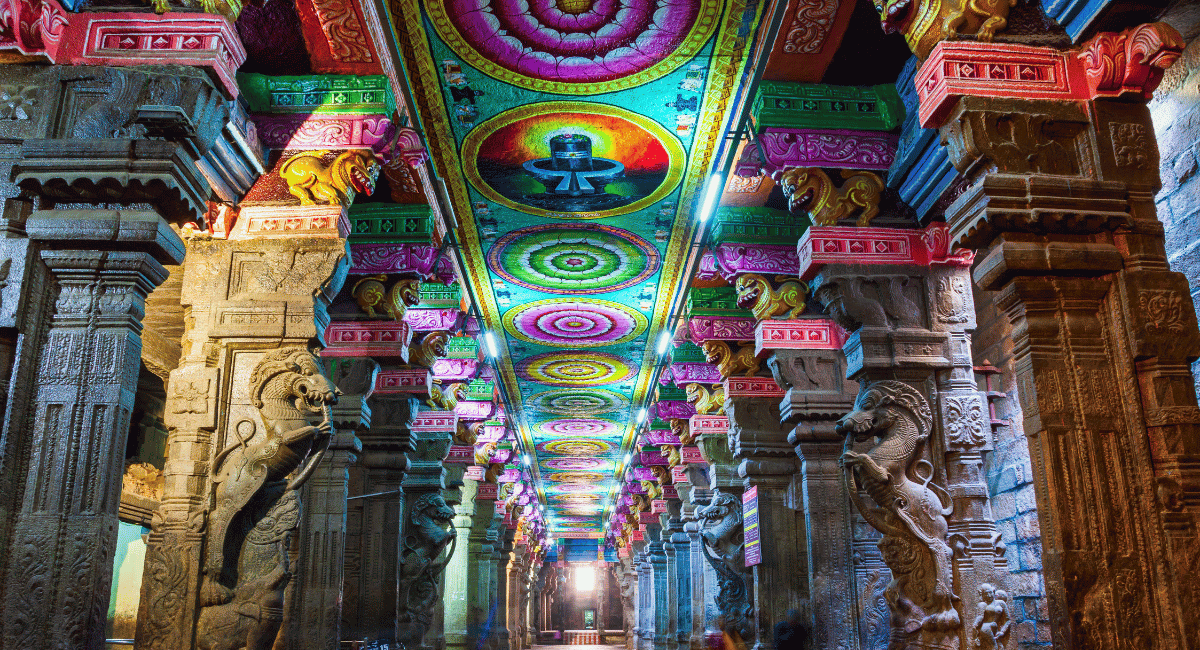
[[585, 577], [711, 194]]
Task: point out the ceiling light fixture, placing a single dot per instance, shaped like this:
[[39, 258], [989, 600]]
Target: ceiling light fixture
[[663, 341], [711, 194], [490, 340], [641, 416], [525, 459]]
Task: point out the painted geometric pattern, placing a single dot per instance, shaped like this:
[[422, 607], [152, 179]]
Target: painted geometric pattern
[[575, 137]]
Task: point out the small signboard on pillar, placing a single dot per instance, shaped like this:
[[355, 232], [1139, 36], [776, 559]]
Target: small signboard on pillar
[[750, 526]]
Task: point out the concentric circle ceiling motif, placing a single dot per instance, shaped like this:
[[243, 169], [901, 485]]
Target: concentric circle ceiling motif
[[575, 477], [575, 47], [577, 427], [574, 369], [573, 160], [573, 260], [575, 447], [573, 464], [578, 323], [576, 402]]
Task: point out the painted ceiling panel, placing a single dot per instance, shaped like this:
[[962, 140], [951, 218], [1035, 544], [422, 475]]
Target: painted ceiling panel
[[574, 137]]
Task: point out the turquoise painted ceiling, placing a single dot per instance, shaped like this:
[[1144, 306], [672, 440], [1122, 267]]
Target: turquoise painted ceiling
[[575, 137]]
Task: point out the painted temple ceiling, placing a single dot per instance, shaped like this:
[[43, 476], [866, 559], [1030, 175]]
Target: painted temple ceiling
[[575, 137]]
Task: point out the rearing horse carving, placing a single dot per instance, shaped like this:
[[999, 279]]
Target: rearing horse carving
[[910, 508], [288, 387]]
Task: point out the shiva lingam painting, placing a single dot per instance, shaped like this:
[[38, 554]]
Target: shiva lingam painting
[[573, 160], [573, 177]]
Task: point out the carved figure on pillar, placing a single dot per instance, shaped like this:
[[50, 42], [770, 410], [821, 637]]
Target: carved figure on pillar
[[706, 402], [314, 182], [433, 346], [809, 189], [287, 387], [724, 548], [910, 509], [754, 292], [253, 500], [370, 294], [729, 361], [429, 532]]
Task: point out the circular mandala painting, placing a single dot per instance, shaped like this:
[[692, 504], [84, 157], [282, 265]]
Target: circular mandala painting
[[573, 160], [574, 369], [570, 401], [578, 323], [573, 498], [574, 463], [577, 428], [583, 259], [575, 447], [574, 487], [575, 46]]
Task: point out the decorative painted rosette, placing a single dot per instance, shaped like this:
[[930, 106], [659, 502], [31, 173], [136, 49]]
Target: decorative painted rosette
[[577, 428], [574, 369], [578, 323], [575, 447], [579, 259], [577, 402], [578, 47], [574, 464]]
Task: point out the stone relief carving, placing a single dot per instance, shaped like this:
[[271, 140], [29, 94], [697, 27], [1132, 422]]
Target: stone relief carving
[[250, 474], [910, 508], [428, 533], [810, 26], [992, 624], [731, 362], [370, 294], [1015, 139], [706, 402], [926, 22], [888, 302], [143, 479], [446, 398], [431, 348], [809, 189], [754, 292], [313, 181], [724, 547]]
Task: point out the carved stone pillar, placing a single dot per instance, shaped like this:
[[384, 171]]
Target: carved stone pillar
[[681, 549], [767, 462], [659, 630], [375, 519], [818, 394], [254, 306], [910, 348], [645, 613], [515, 584], [314, 595], [1103, 332], [627, 582], [481, 593], [456, 595], [429, 537], [63, 530]]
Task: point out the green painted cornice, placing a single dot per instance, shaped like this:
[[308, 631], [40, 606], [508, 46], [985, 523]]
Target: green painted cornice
[[821, 106], [716, 301], [318, 93], [385, 223], [751, 225]]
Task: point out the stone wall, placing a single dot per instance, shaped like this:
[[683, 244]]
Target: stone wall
[[1176, 113], [1010, 481]]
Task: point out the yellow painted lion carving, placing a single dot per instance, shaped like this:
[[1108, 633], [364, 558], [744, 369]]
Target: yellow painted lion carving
[[754, 292], [313, 182], [809, 189]]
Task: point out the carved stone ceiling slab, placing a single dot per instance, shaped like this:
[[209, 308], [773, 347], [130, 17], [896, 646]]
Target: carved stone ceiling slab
[[575, 137]]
